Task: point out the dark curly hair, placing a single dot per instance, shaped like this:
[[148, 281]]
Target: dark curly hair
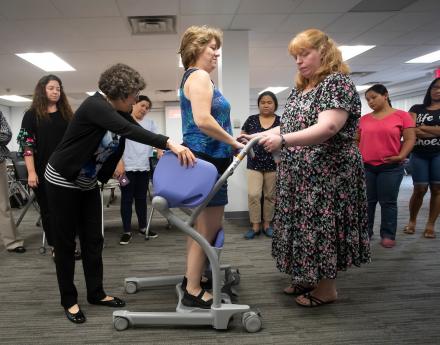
[[40, 102], [119, 81]]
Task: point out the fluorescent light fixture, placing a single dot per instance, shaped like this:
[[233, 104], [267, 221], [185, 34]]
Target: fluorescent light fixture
[[15, 98], [91, 93], [360, 88], [180, 62], [47, 61], [274, 89], [428, 58], [349, 52]]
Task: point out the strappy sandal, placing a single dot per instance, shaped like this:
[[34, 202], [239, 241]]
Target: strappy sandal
[[409, 230], [189, 300], [429, 233], [312, 301], [296, 290]]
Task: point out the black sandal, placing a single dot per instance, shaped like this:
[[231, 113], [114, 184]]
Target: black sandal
[[189, 300], [313, 301], [298, 290]]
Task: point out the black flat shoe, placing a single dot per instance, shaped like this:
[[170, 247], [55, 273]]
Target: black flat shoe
[[114, 303], [78, 317], [189, 300], [19, 250]]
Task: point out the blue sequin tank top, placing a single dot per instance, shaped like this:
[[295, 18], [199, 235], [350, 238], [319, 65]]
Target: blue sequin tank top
[[193, 137]]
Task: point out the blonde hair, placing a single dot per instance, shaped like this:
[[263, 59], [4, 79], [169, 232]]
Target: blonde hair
[[194, 40], [331, 57]]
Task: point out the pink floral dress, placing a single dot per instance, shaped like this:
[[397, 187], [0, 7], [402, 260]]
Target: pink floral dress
[[320, 224]]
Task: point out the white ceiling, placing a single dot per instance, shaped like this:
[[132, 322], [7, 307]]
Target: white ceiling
[[93, 34]]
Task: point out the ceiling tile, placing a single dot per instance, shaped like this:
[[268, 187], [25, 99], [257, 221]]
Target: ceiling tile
[[423, 6], [87, 8], [405, 22], [325, 6], [299, 22], [17, 9], [416, 37], [267, 7], [191, 7], [222, 21], [358, 22], [260, 22], [148, 8], [376, 37]]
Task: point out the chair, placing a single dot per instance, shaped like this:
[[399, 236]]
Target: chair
[[18, 182]]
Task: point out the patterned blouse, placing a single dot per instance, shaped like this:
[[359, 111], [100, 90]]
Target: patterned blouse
[[263, 160]]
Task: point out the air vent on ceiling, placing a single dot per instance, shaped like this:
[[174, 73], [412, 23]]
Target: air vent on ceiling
[[149, 25]]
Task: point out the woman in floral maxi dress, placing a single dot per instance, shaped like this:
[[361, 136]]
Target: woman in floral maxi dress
[[320, 223]]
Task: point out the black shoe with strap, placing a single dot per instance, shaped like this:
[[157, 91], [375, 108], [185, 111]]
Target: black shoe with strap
[[189, 300]]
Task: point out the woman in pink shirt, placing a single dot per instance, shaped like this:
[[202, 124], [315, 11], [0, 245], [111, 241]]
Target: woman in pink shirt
[[386, 137]]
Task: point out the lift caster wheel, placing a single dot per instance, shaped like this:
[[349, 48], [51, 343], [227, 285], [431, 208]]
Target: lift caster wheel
[[120, 323], [42, 250], [251, 321], [130, 287]]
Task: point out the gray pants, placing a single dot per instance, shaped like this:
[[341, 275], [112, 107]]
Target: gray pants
[[8, 231]]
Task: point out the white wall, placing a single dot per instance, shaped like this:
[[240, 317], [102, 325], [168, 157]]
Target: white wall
[[401, 102]]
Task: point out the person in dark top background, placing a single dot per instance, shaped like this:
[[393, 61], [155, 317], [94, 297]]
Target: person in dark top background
[[89, 151], [42, 129], [261, 169], [425, 160]]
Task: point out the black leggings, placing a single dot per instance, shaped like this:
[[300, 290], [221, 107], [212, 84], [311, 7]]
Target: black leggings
[[77, 212]]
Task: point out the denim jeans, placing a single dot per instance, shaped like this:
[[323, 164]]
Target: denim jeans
[[425, 168], [383, 183], [136, 189]]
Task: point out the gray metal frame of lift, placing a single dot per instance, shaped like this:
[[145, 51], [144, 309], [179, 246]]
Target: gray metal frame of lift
[[220, 313]]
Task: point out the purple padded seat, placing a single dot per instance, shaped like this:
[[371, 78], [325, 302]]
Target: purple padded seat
[[180, 186]]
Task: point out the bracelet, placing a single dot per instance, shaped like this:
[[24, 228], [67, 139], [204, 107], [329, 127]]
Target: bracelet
[[283, 141]]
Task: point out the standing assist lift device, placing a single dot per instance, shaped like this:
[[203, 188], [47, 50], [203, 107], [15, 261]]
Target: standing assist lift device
[[176, 186]]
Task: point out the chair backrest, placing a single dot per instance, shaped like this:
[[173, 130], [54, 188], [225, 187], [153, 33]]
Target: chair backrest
[[20, 170], [180, 186]]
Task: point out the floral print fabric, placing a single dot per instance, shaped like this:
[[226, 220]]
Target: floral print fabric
[[26, 141], [320, 224]]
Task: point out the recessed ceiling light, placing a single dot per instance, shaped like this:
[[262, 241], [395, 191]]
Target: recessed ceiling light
[[428, 58], [274, 89], [349, 52], [362, 87], [91, 93], [47, 61], [15, 98]]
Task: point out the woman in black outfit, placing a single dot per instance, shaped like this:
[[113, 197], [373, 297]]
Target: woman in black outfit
[[89, 151], [42, 129]]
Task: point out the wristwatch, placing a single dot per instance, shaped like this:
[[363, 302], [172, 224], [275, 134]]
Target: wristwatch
[[283, 141]]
